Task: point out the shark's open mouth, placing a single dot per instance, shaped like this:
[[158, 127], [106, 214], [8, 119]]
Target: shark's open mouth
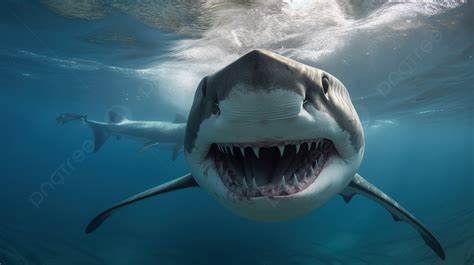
[[271, 169]]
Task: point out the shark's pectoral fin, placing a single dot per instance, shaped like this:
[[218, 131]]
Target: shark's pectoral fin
[[176, 151], [185, 181], [148, 145], [361, 186]]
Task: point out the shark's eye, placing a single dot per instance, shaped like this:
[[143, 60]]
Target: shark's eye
[[325, 82], [215, 107]]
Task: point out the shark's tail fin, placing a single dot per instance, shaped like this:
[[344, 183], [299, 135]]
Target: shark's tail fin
[[101, 134], [67, 117], [100, 130]]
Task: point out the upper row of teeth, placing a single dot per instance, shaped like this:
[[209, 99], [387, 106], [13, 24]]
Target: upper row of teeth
[[229, 148]]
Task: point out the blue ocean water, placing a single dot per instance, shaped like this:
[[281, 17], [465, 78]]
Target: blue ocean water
[[408, 67]]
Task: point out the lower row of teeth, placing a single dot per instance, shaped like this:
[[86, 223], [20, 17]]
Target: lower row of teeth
[[287, 185]]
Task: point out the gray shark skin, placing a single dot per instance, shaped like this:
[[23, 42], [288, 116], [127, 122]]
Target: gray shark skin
[[273, 139], [151, 133]]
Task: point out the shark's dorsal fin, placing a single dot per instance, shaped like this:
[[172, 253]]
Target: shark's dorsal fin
[[178, 118], [361, 186], [185, 181], [115, 117]]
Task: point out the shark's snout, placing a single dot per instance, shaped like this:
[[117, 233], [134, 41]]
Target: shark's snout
[[261, 72]]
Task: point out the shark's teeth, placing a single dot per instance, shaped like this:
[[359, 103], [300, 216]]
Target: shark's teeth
[[240, 173], [282, 149], [320, 160], [255, 151], [295, 180], [254, 184], [242, 150], [282, 183], [245, 186]]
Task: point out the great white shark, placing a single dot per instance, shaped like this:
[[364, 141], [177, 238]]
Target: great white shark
[[151, 133], [272, 139]]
